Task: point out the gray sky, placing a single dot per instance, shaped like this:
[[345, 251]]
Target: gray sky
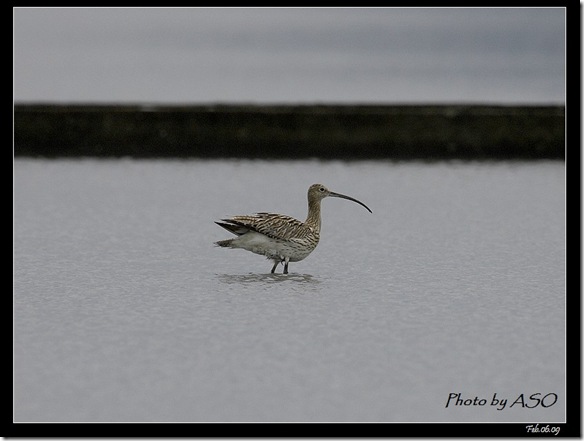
[[289, 55]]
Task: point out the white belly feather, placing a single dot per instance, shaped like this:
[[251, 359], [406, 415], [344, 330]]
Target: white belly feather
[[293, 249]]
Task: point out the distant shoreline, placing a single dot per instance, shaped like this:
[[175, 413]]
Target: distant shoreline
[[360, 131]]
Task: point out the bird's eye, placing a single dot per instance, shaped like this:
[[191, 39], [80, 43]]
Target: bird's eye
[[321, 189]]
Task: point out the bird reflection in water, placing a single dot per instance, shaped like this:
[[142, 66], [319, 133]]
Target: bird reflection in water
[[306, 280]]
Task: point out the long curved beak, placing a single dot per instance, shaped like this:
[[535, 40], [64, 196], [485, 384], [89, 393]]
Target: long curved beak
[[338, 195]]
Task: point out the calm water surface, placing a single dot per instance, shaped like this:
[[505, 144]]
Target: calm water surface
[[125, 311]]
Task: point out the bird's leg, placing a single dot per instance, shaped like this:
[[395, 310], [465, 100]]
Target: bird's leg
[[274, 267], [286, 265]]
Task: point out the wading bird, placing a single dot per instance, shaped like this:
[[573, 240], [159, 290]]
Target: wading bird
[[281, 238]]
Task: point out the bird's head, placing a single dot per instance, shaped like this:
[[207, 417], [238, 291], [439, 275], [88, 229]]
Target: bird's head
[[317, 192]]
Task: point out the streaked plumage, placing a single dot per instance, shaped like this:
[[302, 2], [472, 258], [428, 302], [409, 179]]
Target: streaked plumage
[[280, 238]]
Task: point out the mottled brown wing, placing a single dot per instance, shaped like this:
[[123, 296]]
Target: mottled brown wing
[[276, 226]]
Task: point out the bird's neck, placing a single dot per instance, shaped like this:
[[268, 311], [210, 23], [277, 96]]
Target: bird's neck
[[313, 218]]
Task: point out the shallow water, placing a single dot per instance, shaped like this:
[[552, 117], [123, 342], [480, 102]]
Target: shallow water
[[125, 311]]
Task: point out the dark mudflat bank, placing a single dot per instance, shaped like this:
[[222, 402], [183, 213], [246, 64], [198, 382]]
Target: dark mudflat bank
[[291, 131]]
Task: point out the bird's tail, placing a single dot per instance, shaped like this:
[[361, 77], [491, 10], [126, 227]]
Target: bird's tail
[[224, 243]]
